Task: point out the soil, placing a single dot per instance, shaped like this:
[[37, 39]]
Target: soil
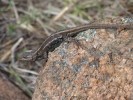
[[9, 91]]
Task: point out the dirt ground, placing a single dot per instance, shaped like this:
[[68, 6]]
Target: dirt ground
[[25, 24]]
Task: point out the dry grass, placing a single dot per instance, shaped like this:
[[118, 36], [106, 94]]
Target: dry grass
[[25, 24]]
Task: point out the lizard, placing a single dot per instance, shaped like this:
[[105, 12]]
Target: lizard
[[54, 40]]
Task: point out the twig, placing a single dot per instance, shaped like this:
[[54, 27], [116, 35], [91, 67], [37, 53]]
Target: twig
[[67, 8], [5, 56], [7, 43], [13, 49], [15, 11], [14, 64], [30, 27]]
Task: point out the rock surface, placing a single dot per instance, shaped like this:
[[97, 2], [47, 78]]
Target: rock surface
[[101, 70]]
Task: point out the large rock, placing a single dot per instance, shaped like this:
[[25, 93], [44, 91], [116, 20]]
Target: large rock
[[101, 70]]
